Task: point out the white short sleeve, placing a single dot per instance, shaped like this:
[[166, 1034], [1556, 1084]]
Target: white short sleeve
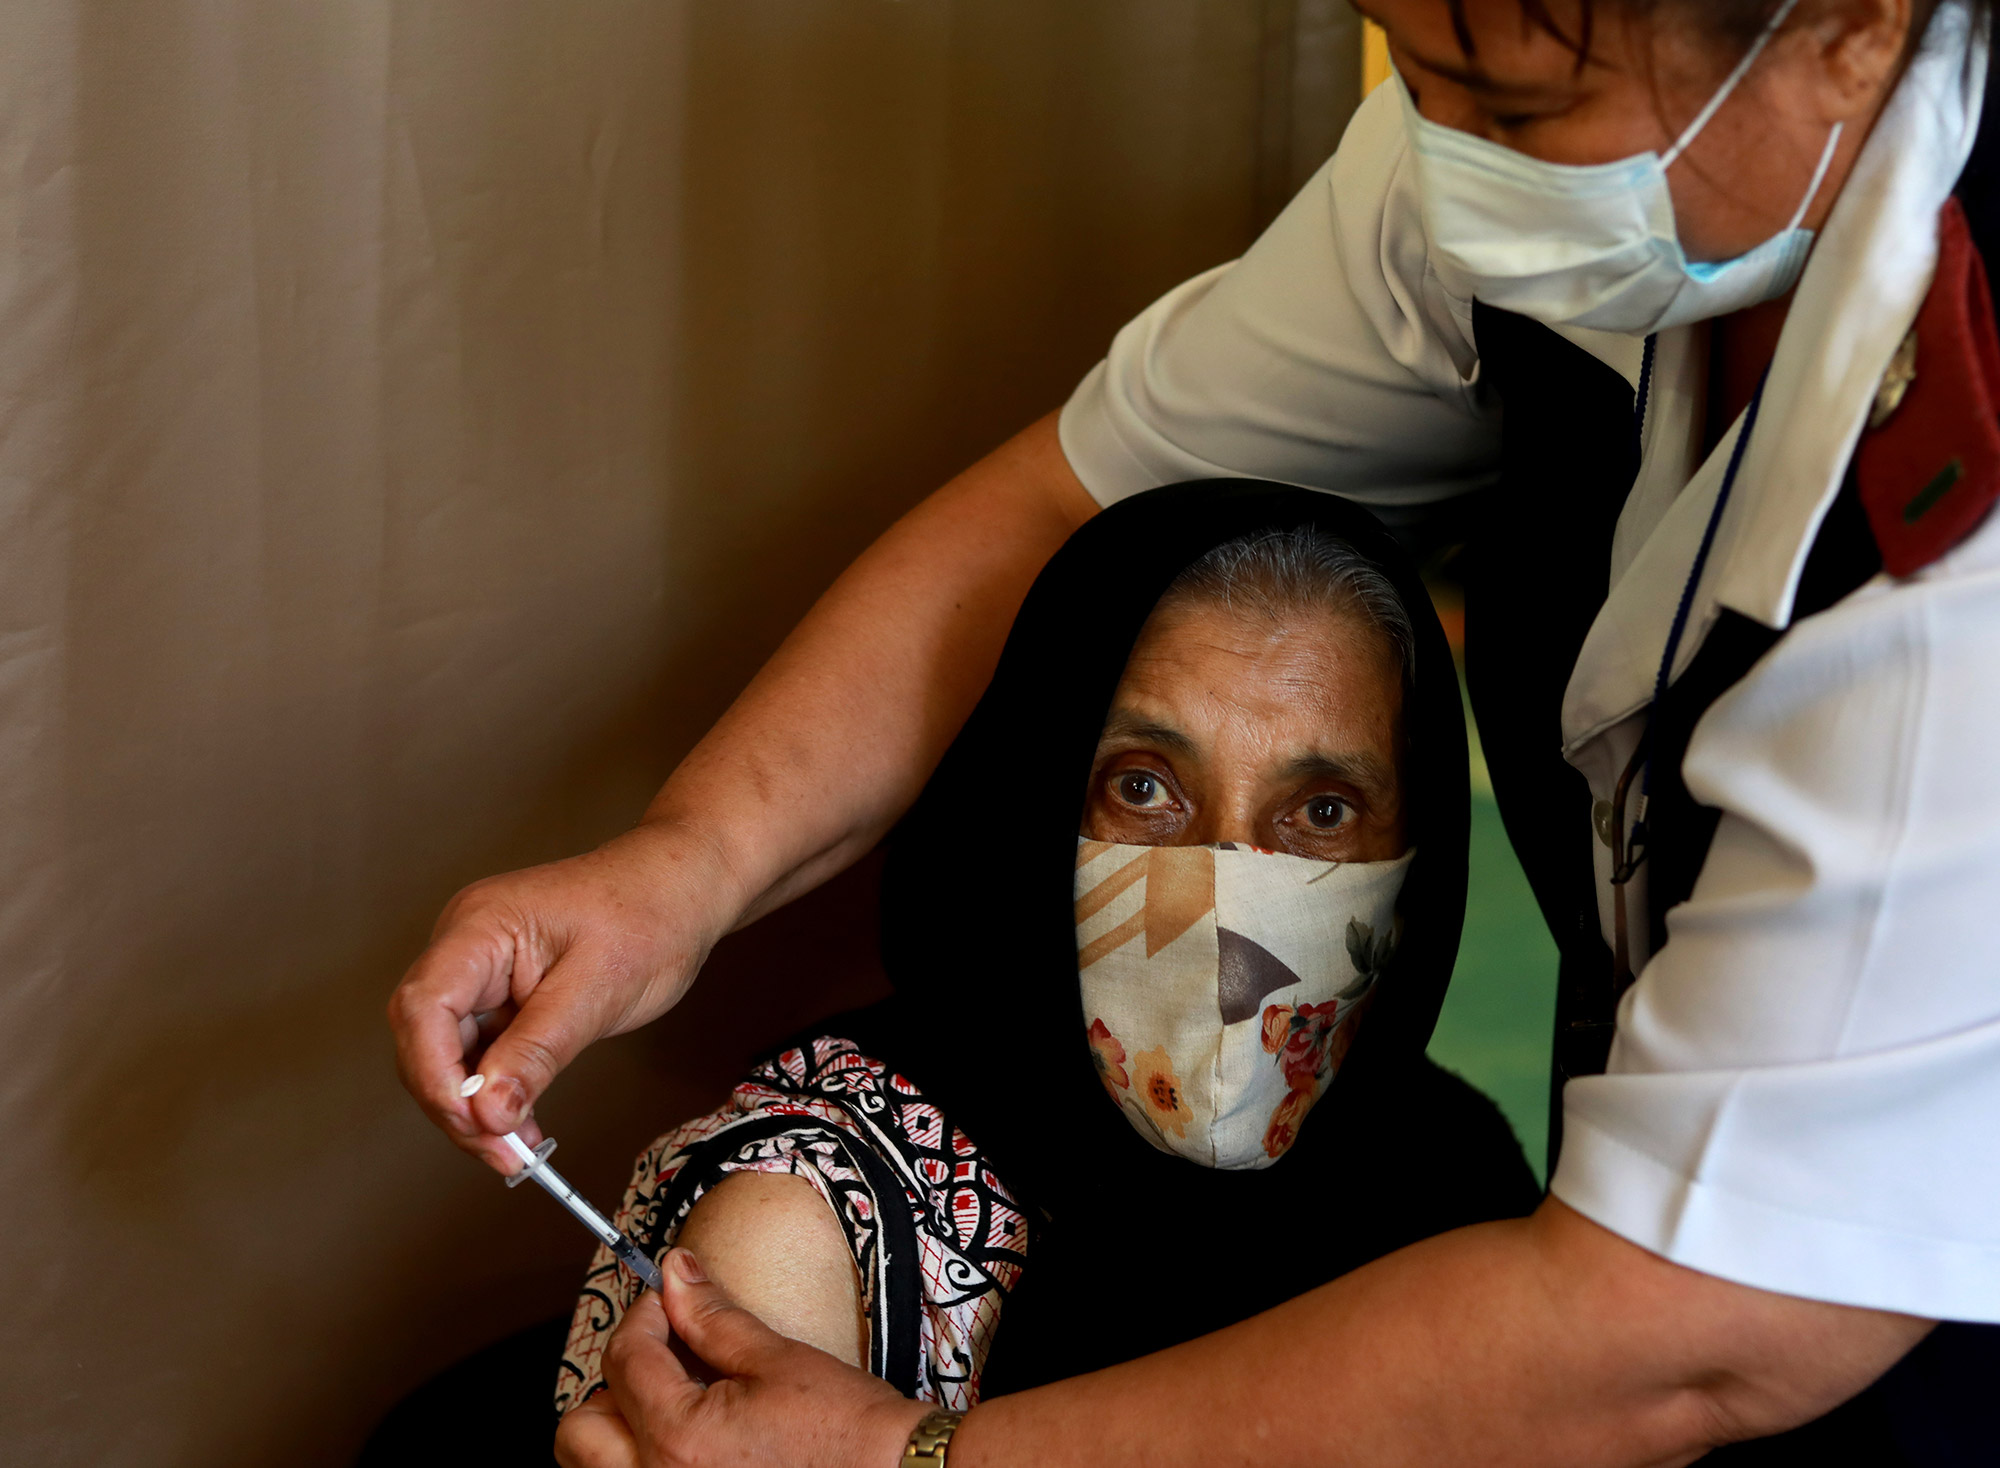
[[1805, 1090], [1327, 357]]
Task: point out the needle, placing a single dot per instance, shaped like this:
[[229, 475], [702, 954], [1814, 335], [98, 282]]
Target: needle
[[535, 1164]]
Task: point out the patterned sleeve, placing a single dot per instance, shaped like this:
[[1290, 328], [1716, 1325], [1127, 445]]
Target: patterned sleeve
[[937, 1239]]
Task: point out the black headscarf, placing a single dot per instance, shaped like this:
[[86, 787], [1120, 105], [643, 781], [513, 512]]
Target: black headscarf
[[979, 939]]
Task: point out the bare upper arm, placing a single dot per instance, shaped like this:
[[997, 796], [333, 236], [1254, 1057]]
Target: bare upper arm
[[775, 1247]]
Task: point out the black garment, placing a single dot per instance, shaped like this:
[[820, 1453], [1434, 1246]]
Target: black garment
[[494, 1409], [988, 1018], [979, 940], [1536, 571]]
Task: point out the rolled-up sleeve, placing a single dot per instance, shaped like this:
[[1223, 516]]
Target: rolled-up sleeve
[[1328, 357], [1805, 1091]]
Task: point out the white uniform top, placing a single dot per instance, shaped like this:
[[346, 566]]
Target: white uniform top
[[1804, 1094]]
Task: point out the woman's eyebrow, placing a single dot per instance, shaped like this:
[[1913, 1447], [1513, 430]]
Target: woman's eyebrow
[[1368, 773], [1125, 725]]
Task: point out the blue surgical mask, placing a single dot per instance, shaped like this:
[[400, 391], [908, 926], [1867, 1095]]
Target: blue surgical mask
[[1591, 245]]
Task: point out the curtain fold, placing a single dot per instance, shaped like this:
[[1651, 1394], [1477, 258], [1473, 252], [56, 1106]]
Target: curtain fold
[[416, 421]]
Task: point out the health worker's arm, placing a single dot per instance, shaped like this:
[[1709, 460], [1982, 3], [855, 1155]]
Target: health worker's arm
[[1328, 356], [804, 773], [1529, 1342]]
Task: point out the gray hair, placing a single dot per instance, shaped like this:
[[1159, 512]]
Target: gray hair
[[1276, 572]]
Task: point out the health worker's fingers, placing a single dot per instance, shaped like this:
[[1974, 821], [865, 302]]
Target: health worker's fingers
[[582, 948], [723, 1334], [655, 1395], [468, 971], [780, 1401], [575, 1002], [594, 1435]]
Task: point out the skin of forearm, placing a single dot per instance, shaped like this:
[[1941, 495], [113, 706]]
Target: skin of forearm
[[836, 735], [1528, 1342]]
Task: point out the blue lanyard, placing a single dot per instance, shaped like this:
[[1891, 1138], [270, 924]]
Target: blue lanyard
[[1629, 863], [1709, 535]]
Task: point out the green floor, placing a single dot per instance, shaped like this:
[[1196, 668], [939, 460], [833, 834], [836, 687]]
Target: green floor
[[1498, 1018]]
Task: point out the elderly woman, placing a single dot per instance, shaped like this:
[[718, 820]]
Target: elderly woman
[[1681, 314], [1195, 1032]]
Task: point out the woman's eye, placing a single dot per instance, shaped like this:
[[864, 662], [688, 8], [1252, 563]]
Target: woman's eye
[[1140, 789], [1325, 812]]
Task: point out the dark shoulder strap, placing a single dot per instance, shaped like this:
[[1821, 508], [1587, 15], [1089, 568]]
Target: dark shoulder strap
[[1536, 570], [1681, 828]]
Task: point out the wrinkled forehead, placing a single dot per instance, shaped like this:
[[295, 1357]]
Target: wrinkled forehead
[[1317, 690], [1280, 639]]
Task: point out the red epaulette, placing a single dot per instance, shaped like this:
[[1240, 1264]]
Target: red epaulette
[[1929, 462]]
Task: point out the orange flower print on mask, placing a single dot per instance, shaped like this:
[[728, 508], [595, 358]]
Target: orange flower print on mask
[[1159, 1089], [1109, 1058], [1308, 1042], [1284, 1128], [1302, 1039], [1339, 1042], [1277, 1025]]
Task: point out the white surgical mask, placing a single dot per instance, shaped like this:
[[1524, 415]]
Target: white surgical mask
[[1591, 245], [1222, 986]]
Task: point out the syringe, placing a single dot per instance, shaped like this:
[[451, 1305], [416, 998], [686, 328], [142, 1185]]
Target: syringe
[[535, 1164]]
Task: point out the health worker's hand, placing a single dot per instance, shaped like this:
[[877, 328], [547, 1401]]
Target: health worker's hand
[[808, 769], [594, 1435], [525, 970], [776, 1401]]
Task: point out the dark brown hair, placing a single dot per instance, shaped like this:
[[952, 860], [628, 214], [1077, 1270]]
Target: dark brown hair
[[1734, 22]]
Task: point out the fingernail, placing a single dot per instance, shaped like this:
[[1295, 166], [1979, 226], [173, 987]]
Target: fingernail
[[471, 1087], [514, 1097], [688, 1267]]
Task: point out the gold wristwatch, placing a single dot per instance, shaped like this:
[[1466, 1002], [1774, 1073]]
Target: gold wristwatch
[[931, 1439]]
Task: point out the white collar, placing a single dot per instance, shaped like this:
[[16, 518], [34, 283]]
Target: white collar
[[1867, 277]]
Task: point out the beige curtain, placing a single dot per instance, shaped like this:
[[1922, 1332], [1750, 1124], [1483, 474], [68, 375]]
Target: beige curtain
[[416, 420]]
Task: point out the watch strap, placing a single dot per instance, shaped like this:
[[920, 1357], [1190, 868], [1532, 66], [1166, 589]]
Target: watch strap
[[931, 1439]]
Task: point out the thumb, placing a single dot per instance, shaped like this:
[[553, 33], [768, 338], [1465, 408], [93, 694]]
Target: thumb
[[652, 1391], [718, 1330], [555, 1022]]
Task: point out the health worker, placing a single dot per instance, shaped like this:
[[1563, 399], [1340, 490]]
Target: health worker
[[1676, 313]]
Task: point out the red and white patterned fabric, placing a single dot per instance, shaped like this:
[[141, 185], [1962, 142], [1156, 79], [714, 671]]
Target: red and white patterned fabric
[[937, 1239]]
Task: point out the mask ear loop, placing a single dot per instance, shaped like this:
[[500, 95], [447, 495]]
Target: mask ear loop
[[1722, 94], [1729, 84], [1819, 175]]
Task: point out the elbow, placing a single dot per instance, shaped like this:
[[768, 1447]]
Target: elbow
[[1697, 1361], [1798, 1378]]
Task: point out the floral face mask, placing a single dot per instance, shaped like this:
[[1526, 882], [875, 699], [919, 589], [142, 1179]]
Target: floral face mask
[[1222, 986]]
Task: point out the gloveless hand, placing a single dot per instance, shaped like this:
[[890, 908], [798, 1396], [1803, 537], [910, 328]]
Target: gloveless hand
[[776, 1401], [525, 970]]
